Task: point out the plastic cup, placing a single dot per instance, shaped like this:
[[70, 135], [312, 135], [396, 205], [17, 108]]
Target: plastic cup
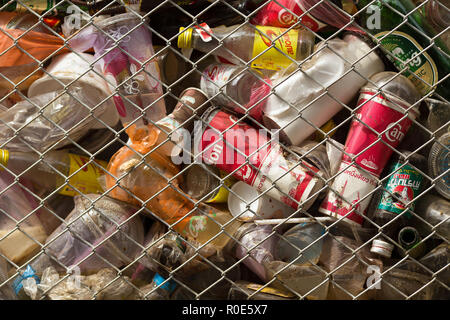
[[125, 45]]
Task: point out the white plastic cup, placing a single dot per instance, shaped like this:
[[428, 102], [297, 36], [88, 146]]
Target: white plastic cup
[[263, 207], [72, 67]]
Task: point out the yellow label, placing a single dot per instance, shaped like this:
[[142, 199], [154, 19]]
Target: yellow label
[[4, 158], [86, 179], [273, 59], [269, 290], [327, 127], [222, 195]]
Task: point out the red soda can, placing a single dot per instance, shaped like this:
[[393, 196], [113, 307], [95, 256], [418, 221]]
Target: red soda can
[[378, 115], [237, 148], [280, 14]]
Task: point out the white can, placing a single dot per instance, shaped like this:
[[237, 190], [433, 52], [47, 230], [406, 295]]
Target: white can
[[259, 206], [352, 186]]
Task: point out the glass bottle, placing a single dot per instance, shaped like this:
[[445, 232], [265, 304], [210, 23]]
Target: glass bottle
[[403, 43]]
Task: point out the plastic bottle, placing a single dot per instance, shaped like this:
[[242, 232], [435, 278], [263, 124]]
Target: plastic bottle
[[89, 237], [249, 41], [300, 237], [436, 213], [55, 167], [176, 208], [236, 88]]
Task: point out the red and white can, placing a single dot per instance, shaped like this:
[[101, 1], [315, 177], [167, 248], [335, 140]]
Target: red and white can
[[236, 147], [351, 186], [380, 114]]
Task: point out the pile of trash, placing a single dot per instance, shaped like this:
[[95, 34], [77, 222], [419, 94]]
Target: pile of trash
[[246, 149]]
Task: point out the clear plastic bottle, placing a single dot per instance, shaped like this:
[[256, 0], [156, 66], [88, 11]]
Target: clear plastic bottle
[[438, 164], [198, 224], [98, 233], [302, 236], [259, 243], [436, 212], [243, 43], [236, 88], [51, 172]]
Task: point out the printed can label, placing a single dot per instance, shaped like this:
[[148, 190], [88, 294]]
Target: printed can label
[[402, 187], [405, 48], [352, 185], [86, 179], [273, 59], [215, 78], [204, 31], [225, 136], [284, 13], [379, 115]]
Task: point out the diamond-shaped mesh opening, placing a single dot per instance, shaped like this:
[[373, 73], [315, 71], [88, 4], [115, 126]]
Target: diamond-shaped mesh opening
[[274, 150]]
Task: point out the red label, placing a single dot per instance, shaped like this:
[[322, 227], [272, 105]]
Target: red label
[[222, 152], [279, 15], [228, 145], [204, 31], [377, 115]]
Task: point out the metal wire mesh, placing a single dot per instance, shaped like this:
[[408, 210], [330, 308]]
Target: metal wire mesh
[[352, 272]]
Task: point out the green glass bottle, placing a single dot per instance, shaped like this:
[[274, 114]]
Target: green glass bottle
[[407, 41]]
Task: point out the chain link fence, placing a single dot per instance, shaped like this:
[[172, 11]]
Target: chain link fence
[[105, 197]]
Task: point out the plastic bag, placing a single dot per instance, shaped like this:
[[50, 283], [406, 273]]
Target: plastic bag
[[16, 203], [61, 113], [37, 44], [100, 286], [125, 50], [70, 244]]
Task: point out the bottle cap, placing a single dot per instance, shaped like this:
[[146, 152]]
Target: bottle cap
[[185, 39], [4, 157], [168, 286], [382, 248]]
